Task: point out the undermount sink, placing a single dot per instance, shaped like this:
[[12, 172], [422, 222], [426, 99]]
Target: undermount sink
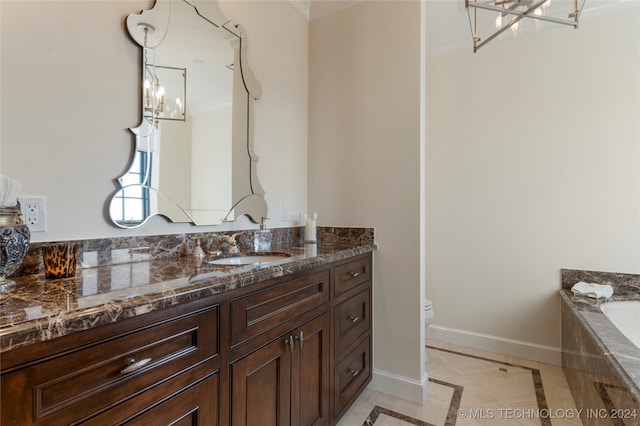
[[250, 258]]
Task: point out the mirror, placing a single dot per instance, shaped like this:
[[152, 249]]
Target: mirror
[[193, 159]]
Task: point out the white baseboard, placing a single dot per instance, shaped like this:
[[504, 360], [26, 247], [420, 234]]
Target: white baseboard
[[400, 386], [484, 342]]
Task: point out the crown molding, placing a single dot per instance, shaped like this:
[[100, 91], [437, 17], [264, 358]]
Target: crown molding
[[455, 34], [310, 10], [302, 8]]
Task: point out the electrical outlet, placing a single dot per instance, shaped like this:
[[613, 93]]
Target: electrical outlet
[[33, 213]]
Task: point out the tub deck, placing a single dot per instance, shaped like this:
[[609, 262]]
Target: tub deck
[[602, 366]]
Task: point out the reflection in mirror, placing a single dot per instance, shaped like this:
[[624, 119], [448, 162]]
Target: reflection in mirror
[[193, 159]]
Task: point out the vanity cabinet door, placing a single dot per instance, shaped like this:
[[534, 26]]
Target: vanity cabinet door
[[261, 386], [285, 382], [311, 373]]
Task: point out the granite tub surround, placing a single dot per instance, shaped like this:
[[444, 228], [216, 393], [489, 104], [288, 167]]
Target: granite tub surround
[[124, 277], [601, 365], [626, 286]]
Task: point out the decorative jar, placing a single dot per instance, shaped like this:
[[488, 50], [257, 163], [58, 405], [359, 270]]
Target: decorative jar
[[14, 244]]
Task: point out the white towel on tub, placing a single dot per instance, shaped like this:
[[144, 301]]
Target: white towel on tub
[[592, 290]]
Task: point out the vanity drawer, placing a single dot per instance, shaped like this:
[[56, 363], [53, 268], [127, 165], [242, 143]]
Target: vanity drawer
[[350, 274], [352, 318], [264, 310], [194, 404], [351, 375], [72, 386]]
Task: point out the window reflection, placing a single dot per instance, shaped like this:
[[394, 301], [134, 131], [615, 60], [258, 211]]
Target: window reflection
[[129, 268], [131, 205]]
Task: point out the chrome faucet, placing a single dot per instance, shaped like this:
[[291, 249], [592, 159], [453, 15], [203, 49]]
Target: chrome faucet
[[232, 244]]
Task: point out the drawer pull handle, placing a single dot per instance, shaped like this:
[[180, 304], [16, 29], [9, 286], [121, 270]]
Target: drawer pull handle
[[289, 342], [354, 373], [354, 319], [354, 274], [300, 338], [135, 365]]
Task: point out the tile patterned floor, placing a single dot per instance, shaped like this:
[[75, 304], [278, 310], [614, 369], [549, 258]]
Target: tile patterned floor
[[473, 388]]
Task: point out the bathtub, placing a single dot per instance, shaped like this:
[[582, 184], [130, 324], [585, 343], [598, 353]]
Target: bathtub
[[601, 348], [625, 315]]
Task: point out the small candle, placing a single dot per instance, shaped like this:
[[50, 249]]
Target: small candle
[[310, 229]]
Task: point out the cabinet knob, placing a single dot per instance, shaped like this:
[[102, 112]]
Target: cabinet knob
[[300, 338], [354, 274], [134, 365], [353, 372], [354, 318]]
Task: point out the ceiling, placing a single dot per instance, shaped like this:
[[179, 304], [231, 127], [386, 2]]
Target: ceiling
[[447, 21]]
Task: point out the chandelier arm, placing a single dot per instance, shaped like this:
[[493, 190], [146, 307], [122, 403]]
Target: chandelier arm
[[476, 37], [473, 28], [526, 13], [513, 7], [497, 33], [511, 10]]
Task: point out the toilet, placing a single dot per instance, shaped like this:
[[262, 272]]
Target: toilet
[[428, 313]]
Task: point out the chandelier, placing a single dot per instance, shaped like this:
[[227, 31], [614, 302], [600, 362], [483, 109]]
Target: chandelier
[[164, 88], [164, 93], [511, 12]]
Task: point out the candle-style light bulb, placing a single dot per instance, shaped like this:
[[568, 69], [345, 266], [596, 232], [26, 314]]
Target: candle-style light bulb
[[160, 95], [147, 97]]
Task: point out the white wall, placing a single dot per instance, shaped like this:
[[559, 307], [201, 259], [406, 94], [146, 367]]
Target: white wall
[[70, 91], [364, 162], [533, 165]]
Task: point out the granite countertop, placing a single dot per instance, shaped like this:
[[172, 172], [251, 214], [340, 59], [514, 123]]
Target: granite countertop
[[40, 309], [623, 354]]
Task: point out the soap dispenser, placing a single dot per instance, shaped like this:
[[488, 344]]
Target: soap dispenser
[[197, 250], [262, 238]]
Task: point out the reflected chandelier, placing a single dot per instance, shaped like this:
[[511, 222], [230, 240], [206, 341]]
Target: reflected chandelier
[[157, 97], [517, 10]]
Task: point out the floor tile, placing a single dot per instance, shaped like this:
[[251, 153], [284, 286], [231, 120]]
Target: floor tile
[[468, 387]]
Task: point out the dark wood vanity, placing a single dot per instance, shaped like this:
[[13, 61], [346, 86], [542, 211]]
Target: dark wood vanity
[[291, 350]]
